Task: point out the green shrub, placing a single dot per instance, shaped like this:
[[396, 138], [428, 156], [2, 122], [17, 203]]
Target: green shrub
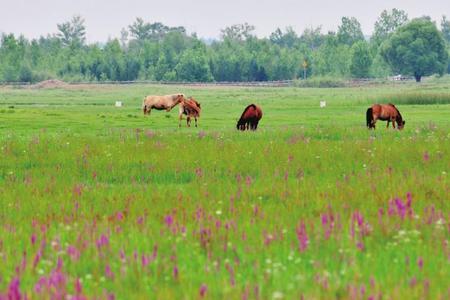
[[321, 82]]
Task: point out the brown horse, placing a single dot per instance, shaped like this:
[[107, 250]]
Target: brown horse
[[191, 108], [384, 112], [250, 118], [166, 102]]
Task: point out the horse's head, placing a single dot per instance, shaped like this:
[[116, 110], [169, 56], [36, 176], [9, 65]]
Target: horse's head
[[240, 125], [401, 124], [180, 98]]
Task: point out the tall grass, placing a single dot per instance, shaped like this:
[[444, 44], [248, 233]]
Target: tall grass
[[318, 212], [417, 98], [100, 202]]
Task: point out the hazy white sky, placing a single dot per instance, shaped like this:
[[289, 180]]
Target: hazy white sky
[[105, 18]]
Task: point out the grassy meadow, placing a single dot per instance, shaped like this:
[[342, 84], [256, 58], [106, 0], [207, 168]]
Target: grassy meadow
[[102, 202]]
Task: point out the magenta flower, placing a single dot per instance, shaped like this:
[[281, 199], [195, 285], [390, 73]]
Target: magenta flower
[[248, 181], [14, 290], [199, 172], [102, 241], [302, 237], [73, 252], [108, 273], [33, 238], [420, 262], [401, 208], [203, 289], [168, 220], [175, 272], [144, 260], [78, 286]]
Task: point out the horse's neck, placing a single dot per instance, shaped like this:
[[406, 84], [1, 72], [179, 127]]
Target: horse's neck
[[173, 104]]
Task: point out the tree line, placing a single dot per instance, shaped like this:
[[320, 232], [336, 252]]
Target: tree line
[[154, 51]]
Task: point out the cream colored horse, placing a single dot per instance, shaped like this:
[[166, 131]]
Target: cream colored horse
[[166, 102]]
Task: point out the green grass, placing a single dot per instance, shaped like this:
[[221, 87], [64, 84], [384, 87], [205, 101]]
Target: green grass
[[135, 207]]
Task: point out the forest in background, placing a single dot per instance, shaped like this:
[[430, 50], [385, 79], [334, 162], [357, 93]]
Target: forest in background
[[154, 51]]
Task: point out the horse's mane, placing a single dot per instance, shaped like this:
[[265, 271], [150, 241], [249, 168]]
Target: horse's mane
[[247, 108], [195, 101], [399, 115]]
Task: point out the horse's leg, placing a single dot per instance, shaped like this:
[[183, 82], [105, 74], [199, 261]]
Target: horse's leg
[[387, 125], [393, 123], [179, 120], [195, 121], [188, 121]]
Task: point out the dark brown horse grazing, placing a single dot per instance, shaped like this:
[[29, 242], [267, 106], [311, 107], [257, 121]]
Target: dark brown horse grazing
[[250, 118], [384, 112], [191, 108]]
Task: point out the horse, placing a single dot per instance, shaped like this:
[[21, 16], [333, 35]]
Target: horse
[[191, 108], [250, 118], [384, 112], [166, 102]]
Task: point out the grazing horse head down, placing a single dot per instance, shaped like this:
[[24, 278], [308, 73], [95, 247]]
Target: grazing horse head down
[[384, 112], [250, 118], [191, 108], [166, 102]]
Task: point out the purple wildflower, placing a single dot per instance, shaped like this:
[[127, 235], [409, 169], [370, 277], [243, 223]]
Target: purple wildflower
[[302, 237], [203, 289]]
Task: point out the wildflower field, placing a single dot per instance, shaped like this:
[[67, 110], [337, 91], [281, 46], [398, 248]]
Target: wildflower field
[[102, 202]]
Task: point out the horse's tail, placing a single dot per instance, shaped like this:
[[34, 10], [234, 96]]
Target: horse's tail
[[144, 107], [369, 117]]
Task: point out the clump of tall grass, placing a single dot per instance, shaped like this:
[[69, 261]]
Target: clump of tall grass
[[321, 82], [417, 98]]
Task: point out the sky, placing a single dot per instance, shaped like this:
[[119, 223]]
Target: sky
[[104, 19]]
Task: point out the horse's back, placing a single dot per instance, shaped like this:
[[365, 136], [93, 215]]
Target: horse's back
[[252, 114], [190, 107], [161, 98], [384, 111]]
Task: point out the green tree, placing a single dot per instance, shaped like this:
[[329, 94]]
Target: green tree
[[193, 66], [361, 60], [237, 32], [72, 33], [12, 55], [142, 30], [387, 24], [416, 48], [349, 32], [312, 37], [286, 39], [332, 58], [445, 28]]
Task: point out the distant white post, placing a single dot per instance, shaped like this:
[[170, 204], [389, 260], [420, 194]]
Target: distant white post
[[323, 103]]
